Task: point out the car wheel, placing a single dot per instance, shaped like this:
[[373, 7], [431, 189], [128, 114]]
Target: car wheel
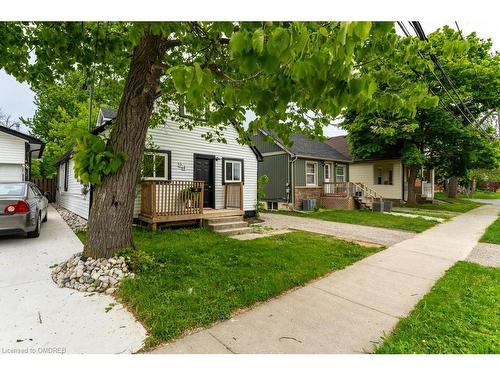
[[46, 216], [36, 232]]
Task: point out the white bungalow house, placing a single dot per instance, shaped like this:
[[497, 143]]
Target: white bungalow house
[[17, 149], [189, 178], [386, 174]]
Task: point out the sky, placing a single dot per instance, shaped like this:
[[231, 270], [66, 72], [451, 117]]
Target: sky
[[17, 98]]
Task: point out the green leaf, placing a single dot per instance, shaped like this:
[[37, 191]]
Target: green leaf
[[198, 73], [258, 41], [238, 43]]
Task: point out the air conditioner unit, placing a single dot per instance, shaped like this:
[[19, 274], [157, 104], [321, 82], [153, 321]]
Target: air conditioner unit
[[309, 204]]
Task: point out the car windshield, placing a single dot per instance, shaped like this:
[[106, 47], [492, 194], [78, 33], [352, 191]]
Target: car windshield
[[11, 189]]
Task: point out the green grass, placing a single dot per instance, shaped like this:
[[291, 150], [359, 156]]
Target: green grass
[[450, 204], [461, 314], [482, 195], [368, 218], [199, 277], [492, 234]]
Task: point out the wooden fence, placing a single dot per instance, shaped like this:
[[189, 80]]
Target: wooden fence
[[46, 185]]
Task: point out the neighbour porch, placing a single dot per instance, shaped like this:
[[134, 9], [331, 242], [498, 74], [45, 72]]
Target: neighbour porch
[[346, 193], [177, 201]]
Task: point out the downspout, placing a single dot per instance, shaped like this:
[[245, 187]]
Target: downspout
[[292, 182]]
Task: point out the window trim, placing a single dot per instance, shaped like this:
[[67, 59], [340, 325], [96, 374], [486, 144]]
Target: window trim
[[66, 173], [168, 165], [242, 177], [344, 172], [315, 163]]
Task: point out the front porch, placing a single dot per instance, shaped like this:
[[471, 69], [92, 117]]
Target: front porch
[[167, 202]]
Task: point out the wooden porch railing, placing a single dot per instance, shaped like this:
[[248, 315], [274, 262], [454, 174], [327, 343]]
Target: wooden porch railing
[[171, 197], [233, 195], [336, 188]]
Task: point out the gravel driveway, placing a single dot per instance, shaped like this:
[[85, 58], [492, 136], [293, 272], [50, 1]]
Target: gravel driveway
[[386, 237], [37, 316]]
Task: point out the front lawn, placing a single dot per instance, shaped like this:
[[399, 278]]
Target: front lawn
[[450, 204], [492, 234], [368, 218], [459, 315], [199, 277]]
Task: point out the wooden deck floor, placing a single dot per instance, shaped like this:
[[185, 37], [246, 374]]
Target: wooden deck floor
[[208, 213]]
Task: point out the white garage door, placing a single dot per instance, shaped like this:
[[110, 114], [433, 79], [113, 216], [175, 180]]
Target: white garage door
[[11, 173]]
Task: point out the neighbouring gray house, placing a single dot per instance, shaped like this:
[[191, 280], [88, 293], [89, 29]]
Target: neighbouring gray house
[[188, 178], [326, 172], [305, 170], [17, 150]]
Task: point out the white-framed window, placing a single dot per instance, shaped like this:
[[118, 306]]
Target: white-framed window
[[340, 173], [233, 171], [383, 175], [155, 165], [311, 173]]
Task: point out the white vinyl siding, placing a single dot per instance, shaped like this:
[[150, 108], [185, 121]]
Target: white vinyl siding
[[11, 172], [12, 149], [182, 144], [12, 154], [367, 173], [73, 199]]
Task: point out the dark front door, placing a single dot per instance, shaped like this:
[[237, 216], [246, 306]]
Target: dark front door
[[204, 171]]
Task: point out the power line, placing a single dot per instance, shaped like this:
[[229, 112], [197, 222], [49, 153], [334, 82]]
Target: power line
[[421, 34]]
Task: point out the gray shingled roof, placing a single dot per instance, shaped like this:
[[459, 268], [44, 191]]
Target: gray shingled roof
[[309, 147]]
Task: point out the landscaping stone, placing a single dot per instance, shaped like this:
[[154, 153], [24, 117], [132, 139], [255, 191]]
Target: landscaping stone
[[91, 275], [75, 222]]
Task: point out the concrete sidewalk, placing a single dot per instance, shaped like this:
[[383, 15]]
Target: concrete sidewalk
[[350, 310], [36, 315], [349, 232]]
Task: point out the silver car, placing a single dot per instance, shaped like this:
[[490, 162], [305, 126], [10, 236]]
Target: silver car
[[23, 208]]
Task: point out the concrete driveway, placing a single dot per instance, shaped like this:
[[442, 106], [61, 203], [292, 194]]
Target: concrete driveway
[[38, 317]]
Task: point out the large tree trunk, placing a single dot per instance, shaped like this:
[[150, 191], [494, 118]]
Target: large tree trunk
[[412, 197], [111, 216], [453, 187]]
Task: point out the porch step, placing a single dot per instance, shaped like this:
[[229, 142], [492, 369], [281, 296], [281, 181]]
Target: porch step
[[225, 219], [227, 225], [235, 231]]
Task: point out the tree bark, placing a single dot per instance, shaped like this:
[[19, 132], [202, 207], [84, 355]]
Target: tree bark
[[412, 196], [453, 187], [111, 215]]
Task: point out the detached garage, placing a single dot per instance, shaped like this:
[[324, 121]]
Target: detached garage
[[16, 152]]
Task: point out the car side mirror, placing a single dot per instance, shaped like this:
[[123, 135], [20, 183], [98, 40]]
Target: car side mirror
[[46, 194]]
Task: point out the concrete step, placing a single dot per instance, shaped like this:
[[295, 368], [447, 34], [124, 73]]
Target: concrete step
[[234, 232], [225, 219], [230, 225]]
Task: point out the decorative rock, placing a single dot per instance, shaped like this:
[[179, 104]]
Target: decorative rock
[[91, 275]]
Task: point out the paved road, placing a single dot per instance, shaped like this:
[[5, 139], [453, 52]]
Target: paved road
[[350, 310], [36, 314], [386, 237]]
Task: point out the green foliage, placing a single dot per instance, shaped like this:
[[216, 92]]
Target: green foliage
[[262, 181], [95, 159], [422, 132], [137, 260]]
